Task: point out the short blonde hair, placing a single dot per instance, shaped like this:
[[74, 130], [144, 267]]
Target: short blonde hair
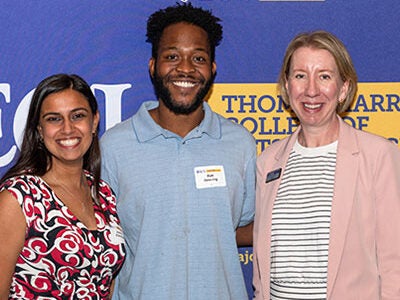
[[321, 40]]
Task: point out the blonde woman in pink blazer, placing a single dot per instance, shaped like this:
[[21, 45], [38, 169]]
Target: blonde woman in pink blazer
[[327, 223]]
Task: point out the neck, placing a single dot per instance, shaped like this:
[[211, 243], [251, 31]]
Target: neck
[[73, 177], [316, 137], [177, 123]]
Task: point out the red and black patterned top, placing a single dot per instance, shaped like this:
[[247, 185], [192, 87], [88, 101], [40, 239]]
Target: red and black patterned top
[[61, 258]]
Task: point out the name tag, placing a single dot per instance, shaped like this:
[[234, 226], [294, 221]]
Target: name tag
[[273, 175], [209, 177]]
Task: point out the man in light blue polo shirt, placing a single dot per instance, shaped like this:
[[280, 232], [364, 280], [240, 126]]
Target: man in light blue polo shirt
[[184, 176]]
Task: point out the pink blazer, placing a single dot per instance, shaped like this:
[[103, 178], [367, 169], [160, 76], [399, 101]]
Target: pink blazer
[[364, 248]]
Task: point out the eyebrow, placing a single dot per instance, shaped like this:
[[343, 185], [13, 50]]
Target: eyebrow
[[72, 111], [176, 49], [322, 70]]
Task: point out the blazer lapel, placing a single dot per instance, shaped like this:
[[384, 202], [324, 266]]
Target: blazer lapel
[[347, 164], [267, 205]]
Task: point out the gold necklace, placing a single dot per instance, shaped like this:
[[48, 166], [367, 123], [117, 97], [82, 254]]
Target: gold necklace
[[85, 198]]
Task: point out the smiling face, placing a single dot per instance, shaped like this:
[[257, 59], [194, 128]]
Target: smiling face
[[66, 126], [314, 89], [183, 71]]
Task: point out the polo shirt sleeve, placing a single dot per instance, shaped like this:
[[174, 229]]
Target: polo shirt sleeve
[[108, 164], [249, 190]]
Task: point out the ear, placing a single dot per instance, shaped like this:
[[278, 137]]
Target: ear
[[214, 67], [40, 130], [96, 120], [152, 63], [344, 90]]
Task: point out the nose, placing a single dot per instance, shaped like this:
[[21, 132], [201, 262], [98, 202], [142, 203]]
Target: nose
[[185, 65], [312, 88], [68, 126]]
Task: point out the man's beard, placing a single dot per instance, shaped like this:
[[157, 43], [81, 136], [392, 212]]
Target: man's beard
[[164, 95]]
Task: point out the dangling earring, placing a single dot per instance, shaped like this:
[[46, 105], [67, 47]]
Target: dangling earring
[[41, 143], [38, 130]]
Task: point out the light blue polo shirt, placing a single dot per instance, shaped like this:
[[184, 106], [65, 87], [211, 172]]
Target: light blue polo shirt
[[180, 201]]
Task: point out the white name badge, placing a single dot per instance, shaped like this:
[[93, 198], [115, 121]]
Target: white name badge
[[209, 176]]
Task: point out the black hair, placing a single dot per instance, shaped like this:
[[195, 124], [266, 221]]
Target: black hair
[[186, 13]]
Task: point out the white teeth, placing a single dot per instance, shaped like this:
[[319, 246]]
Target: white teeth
[[184, 84], [312, 106], [69, 142]]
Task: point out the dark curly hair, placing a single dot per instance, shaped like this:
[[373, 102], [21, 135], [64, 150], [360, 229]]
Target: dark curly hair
[[184, 12]]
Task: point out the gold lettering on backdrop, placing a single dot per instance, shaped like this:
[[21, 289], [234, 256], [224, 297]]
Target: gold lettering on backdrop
[[246, 257], [260, 109]]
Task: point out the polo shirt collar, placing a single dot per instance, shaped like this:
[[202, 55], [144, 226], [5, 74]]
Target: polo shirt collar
[[146, 129]]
